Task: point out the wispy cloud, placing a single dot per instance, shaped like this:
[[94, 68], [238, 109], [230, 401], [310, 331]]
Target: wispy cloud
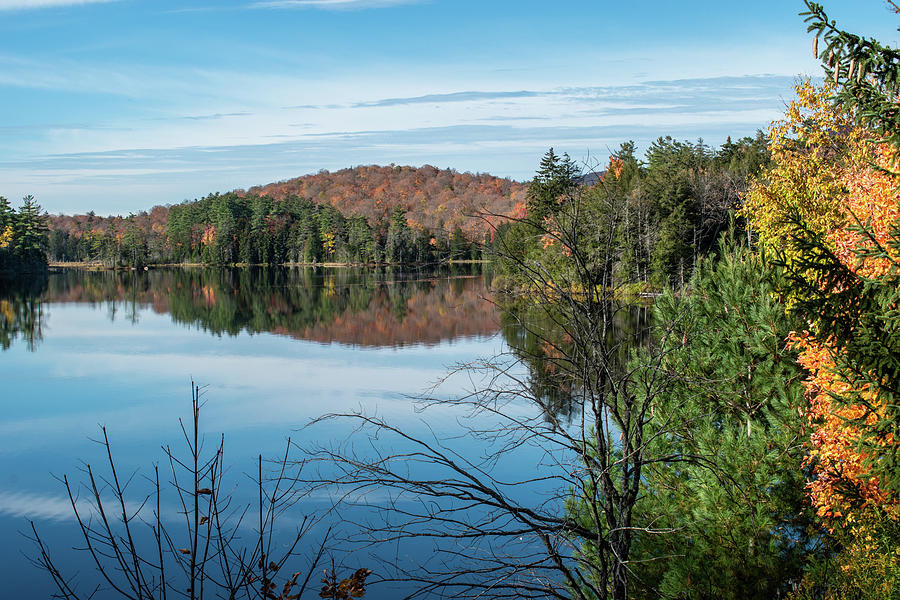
[[35, 506], [216, 116], [188, 151], [332, 4], [58, 508], [452, 97], [32, 4]]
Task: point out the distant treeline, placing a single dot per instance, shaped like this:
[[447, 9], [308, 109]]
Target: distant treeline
[[223, 229], [360, 215], [674, 205], [434, 199]]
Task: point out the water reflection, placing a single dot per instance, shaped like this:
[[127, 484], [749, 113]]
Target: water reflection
[[120, 349], [359, 307], [21, 311], [538, 339], [95, 366]]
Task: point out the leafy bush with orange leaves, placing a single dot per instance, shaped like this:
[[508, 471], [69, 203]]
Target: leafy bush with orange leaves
[[829, 207]]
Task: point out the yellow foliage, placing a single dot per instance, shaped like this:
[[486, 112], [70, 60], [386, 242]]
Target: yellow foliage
[[6, 237], [826, 174], [813, 150], [328, 243], [867, 567]]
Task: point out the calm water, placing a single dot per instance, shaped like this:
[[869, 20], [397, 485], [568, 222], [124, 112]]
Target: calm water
[[272, 348]]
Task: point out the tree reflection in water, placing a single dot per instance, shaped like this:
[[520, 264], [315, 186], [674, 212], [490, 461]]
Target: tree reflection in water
[[537, 340], [21, 312], [360, 307]]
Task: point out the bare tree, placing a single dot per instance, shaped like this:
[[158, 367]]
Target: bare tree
[[138, 552], [565, 528]]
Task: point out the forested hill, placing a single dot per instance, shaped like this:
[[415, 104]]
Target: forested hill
[[360, 214], [434, 199]]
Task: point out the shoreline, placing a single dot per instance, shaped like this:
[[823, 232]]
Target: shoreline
[[98, 266]]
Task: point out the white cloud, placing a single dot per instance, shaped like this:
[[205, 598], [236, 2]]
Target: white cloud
[[35, 506], [31, 4], [332, 4], [170, 154]]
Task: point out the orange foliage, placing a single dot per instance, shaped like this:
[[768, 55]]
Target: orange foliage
[[150, 224], [826, 171], [519, 211], [551, 236], [434, 199], [841, 483], [209, 234], [208, 294], [872, 200], [615, 167]]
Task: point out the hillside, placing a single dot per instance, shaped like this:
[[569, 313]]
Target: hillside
[[309, 218], [434, 199]]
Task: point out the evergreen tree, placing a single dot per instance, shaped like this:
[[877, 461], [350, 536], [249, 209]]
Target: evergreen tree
[[733, 495], [134, 246], [555, 178], [178, 233], [460, 249], [259, 237], [226, 249], [398, 245], [311, 238], [670, 189], [360, 243], [722, 514], [30, 233], [867, 70]]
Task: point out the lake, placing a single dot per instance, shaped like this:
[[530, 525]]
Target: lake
[[270, 348]]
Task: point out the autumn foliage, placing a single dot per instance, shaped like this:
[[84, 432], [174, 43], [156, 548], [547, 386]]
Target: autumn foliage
[[443, 204], [831, 183], [433, 199]]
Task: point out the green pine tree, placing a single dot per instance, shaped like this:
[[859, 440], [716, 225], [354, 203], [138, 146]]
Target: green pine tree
[[30, 235], [398, 245], [722, 514], [555, 178]]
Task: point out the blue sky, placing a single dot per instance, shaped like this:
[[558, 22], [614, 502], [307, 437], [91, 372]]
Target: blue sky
[[118, 105]]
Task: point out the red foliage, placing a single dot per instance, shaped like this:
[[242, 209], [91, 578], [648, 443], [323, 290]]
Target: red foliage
[[841, 479], [434, 199]]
